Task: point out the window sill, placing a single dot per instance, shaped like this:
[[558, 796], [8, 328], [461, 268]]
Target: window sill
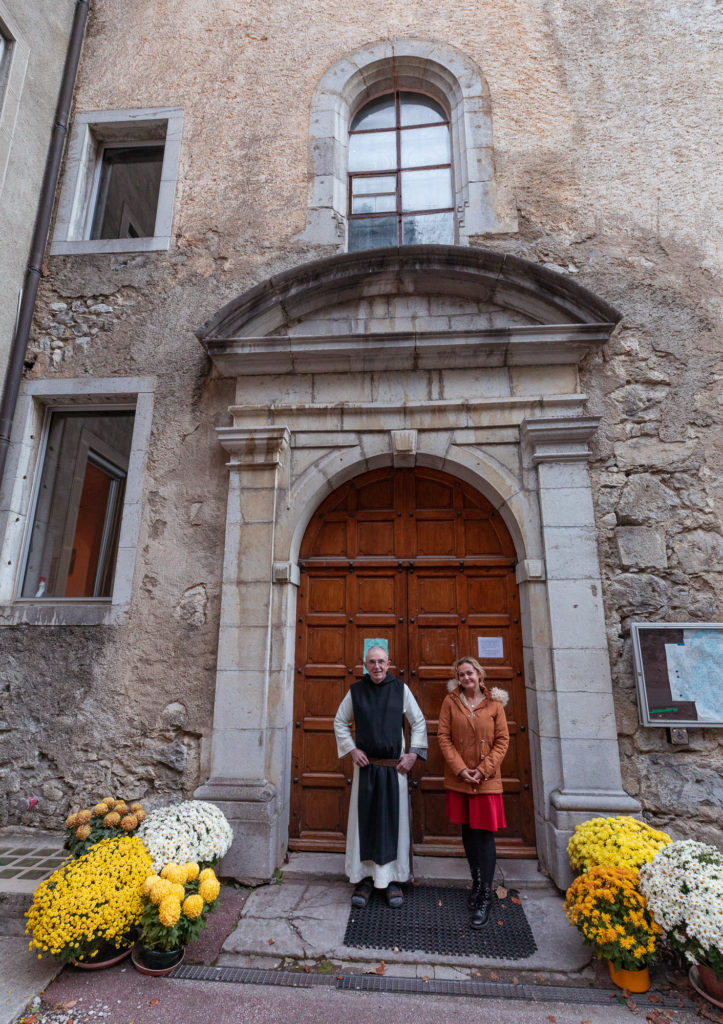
[[109, 245], [62, 613]]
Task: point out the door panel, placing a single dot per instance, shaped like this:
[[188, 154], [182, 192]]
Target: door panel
[[423, 561]]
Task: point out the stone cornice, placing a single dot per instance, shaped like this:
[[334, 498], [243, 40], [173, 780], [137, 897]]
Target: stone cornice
[[559, 439], [254, 447], [528, 345]]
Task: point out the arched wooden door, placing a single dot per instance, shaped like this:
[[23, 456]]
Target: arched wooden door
[[423, 560]]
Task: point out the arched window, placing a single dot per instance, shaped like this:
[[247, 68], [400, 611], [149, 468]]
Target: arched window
[[400, 173]]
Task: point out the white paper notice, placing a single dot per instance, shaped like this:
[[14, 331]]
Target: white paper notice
[[489, 647]]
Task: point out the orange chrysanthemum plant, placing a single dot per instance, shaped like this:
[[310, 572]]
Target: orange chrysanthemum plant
[[106, 820], [606, 905], [177, 902]]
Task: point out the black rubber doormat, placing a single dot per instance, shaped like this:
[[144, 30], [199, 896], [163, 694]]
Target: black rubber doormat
[[434, 919]]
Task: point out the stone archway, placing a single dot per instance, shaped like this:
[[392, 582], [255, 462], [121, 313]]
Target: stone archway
[[458, 359]]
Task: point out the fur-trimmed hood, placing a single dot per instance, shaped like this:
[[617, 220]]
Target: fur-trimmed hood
[[494, 692]]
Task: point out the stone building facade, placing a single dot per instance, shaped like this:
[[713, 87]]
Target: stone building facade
[[548, 373]]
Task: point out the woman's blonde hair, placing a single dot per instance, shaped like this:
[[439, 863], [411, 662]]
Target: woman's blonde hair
[[469, 660]]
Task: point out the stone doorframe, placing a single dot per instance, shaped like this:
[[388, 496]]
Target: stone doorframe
[[527, 453]]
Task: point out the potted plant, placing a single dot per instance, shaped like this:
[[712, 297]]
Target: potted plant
[[684, 890], [109, 818], [616, 842], [606, 905], [176, 904], [87, 911], [190, 831]]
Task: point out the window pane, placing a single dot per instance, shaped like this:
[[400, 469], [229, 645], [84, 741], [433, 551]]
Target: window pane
[[372, 233], [426, 190], [76, 524], [377, 114], [374, 204], [418, 109], [130, 179], [424, 146], [374, 152], [428, 229], [362, 186]]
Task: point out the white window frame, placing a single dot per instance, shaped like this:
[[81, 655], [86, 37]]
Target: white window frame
[[90, 133], [13, 68], [22, 477]]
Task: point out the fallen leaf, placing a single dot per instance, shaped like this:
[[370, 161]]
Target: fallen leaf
[[307, 970], [30, 1020], [425, 977], [494, 976], [515, 980], [396, 949], [439, 903], [69, 1005], [514, 899], [585, 1022], [653, 998], [632, 1005], [501, 892], [154, 1002], [271, 942], [627, 993], [381, 968], [551, 1020], [500, 922]]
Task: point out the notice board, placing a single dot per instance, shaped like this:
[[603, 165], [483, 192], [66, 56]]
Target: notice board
[[679, 673]]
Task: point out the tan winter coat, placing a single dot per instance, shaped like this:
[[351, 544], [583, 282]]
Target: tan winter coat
[[473, 739]]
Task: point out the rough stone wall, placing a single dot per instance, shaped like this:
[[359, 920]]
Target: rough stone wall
[[602, 132]]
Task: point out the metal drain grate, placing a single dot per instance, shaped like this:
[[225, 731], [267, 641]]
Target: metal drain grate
[[415, 986], [436, 920]]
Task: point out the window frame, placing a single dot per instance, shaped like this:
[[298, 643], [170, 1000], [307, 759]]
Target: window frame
[[91, 134], [18, 498], [399, 169], [13, 70]]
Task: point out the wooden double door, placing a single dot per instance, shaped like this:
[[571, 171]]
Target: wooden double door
[[423, 561]]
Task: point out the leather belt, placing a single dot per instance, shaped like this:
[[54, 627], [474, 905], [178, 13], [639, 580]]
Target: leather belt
[[384, 762]]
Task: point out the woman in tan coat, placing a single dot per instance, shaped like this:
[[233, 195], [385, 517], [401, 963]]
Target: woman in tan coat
[[473, 738]]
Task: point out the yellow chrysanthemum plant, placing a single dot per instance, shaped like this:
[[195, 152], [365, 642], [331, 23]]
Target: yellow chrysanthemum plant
[[93, 904], [621, 842], [176, 904], [107, 819], [606, 905]]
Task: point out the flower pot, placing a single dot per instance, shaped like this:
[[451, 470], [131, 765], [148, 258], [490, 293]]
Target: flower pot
[[105, 958], [633, 981], [156, 961], [710, 984]]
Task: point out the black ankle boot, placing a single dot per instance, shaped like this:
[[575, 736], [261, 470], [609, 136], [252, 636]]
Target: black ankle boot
[[481, 908], [473, 894]]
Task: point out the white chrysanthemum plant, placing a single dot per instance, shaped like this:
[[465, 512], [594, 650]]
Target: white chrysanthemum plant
[[190, 831], [683, 886]]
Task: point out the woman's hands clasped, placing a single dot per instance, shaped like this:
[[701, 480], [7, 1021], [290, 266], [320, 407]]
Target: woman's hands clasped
[[472, 775]]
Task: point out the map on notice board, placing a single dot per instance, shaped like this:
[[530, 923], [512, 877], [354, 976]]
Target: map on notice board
[[679, 673]]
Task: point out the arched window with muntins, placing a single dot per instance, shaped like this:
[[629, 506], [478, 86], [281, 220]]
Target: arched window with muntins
[[400, 173]]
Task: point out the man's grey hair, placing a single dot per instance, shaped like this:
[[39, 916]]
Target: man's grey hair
[[376, 647]]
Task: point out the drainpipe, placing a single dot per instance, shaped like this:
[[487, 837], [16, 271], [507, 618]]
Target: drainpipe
[[19, 345]]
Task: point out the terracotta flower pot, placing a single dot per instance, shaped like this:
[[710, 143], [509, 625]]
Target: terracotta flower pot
[[633, 981], [710, 983]]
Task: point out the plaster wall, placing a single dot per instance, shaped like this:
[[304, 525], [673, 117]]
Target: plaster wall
[[607, 150], [29, 82]]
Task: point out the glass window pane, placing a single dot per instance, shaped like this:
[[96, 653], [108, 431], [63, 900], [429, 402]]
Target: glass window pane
[[385, 183], [130, 180], [374, 152], [76, 524], [372, 233], [428, 229], [418, 109], [424, 146], [426, 190], [377, 114], [374, 204]]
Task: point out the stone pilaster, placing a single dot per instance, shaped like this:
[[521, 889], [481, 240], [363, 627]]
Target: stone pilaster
[[578, 719], [239, 782]]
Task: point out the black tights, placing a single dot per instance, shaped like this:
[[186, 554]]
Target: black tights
[[479, 846]]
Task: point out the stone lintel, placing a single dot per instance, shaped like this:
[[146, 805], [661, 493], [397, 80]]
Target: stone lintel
[[254, 447], [536, 345], [559, 439]]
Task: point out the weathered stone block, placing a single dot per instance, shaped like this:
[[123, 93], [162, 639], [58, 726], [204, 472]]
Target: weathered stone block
[[640, 546]]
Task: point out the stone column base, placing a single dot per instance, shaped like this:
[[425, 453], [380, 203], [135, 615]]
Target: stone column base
[[252, 810], [570, 808]]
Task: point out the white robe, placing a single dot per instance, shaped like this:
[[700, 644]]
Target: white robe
[[396, 870]]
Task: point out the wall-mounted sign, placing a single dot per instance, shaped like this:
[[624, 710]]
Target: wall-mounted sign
[[490, 647], [679, 673], [375, 642]]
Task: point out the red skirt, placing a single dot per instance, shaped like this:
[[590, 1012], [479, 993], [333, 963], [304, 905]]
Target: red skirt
[[481, 810]]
